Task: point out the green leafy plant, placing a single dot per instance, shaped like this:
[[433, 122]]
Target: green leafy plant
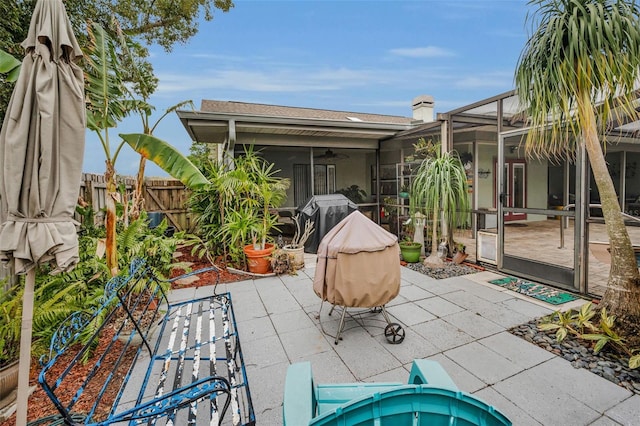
[[606, 333], [354, 193], [55, 298], [579, 323], [571, 321], [109, 100], [426, 148], [238, 206], [634, 361], [9, 66]]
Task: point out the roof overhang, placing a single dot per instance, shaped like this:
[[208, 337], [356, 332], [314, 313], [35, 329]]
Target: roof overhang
[[213, 127]]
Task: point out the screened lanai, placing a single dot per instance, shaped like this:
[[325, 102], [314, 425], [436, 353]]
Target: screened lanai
[[515, 224]]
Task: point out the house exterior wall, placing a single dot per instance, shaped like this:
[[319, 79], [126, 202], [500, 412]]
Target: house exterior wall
[[537, 187], [485, 185]]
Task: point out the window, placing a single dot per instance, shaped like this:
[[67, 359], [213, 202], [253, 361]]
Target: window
[[324, 181]]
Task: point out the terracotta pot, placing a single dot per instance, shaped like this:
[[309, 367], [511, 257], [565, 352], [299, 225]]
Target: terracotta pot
[[258, 260], [8, 383], [297, 256], [460, 257]]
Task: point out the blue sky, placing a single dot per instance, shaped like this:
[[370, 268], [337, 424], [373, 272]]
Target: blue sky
[[351, 55]]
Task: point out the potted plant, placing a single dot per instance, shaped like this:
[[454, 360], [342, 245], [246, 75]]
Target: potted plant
[[460, 254], [295, 249], [266, 193], [440, 191], [425, 148], [354, 193], [410, 250], [404, 192]]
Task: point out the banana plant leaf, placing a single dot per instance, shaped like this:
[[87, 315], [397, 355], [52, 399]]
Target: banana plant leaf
[[9, 65], [167, 158]]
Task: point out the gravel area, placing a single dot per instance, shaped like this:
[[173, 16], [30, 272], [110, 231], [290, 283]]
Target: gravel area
[[450, 269], [605, 364]]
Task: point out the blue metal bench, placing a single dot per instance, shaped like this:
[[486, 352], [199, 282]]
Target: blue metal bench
[[182, 363], [429, 398]]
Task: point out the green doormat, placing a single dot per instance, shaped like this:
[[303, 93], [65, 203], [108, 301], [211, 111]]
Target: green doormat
[[539, 291]]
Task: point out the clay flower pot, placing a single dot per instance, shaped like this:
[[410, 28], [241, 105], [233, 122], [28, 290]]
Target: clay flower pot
[[258, 260], [296, 254]]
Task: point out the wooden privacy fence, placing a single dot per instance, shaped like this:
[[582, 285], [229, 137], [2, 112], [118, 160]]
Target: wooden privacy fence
[[168, 196]]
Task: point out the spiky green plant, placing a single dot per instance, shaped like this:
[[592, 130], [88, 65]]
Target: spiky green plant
[[439, 190]]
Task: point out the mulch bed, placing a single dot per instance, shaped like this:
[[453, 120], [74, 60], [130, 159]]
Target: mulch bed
[[206, 278], [41, 406]]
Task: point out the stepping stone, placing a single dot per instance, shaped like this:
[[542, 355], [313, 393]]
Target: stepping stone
[[187, 280]]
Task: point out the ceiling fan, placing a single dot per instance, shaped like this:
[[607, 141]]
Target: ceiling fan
[[330, 155]]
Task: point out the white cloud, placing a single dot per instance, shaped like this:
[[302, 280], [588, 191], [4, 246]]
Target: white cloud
[[490, 80], [423, 52], [296, 79]]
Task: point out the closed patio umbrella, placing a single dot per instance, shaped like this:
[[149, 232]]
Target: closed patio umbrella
[[41, 151]]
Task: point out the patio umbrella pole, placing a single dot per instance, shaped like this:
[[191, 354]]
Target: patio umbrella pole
[[25, 348]]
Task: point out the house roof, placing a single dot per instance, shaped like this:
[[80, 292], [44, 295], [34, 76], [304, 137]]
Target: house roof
[[245, 108], [289, 126]]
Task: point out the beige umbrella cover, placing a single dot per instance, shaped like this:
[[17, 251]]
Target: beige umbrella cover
[[42, 146], [41, 152]]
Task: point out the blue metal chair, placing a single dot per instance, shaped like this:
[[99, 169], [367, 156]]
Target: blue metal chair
[[429, 398]]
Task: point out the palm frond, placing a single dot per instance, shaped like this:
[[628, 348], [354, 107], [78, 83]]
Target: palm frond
[[104, 86], [579, 48]]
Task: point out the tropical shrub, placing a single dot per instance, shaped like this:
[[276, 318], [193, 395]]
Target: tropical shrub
[[58, 296], [581, 324], [236, 209]]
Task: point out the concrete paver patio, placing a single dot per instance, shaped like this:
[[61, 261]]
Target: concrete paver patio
[[460, 322]]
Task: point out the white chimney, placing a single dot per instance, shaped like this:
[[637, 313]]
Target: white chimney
[[423, 108]]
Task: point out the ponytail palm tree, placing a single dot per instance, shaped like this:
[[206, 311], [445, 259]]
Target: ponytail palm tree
[[577, 74], [439, 190]]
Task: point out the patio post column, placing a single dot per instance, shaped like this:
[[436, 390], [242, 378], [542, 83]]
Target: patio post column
[[231, 146], [311, 172], [580, 225]]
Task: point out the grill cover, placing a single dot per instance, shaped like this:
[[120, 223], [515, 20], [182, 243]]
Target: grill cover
[[358, 264], [326, 211]]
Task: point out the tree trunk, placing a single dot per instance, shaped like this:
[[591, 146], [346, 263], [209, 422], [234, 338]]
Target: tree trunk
[[434, 259], [622, 296], [110, 221], [138, 197]]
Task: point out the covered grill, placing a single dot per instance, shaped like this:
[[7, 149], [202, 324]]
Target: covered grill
[[325, 211], [359, 267]]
